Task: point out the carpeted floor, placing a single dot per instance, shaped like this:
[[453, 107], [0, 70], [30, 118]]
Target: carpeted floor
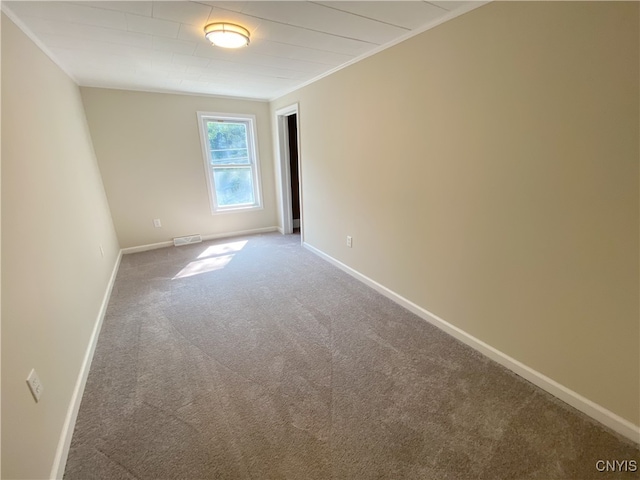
[[253, 358]]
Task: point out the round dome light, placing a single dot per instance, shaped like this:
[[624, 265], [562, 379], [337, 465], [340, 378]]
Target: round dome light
[[227, 35]]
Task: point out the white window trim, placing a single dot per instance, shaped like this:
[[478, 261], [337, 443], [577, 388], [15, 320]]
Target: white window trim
[[203, 117]]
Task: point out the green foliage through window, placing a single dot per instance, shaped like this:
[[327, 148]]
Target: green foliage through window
[[228, 143]]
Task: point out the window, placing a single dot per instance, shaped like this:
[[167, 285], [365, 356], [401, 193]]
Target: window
[[231, 161]]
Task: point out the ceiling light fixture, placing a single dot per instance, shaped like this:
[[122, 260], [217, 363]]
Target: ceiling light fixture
[[227, 35]]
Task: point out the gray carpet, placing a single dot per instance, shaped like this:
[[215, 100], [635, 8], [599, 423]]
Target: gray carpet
[[234, 360]]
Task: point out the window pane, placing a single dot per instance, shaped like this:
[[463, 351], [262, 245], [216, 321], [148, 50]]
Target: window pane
[[225, 157], [234, 186], [228, 142]]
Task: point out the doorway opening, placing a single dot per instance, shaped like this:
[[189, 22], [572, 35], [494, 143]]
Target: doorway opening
[[287, 121], [292, 124]]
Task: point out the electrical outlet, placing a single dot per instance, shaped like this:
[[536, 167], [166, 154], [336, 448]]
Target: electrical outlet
[[349, 241], [35, 385], [157, 223]]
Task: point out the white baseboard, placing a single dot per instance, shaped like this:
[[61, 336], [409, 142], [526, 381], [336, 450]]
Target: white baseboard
[[144, 248], [213, 236], [592, 409], [60, 460], [240, 233]]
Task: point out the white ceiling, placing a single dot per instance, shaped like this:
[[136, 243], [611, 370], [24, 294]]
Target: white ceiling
[[160, 45]]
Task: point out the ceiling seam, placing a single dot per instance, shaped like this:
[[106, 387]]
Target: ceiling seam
[[210, 59], [360, 15], [437, 6], [297, 26], [114, 29], [311, 48]]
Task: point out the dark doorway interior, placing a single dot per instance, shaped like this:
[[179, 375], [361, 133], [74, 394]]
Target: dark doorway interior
[[292, 123]]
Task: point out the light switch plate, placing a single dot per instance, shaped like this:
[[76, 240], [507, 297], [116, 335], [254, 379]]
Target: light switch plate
[[35, 385]]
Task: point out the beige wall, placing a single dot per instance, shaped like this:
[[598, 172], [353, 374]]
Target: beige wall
[[54, 217], [488, 171], [150, 155], [0, 248]]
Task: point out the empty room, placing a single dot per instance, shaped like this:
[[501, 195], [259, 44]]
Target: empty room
[[320, 240]]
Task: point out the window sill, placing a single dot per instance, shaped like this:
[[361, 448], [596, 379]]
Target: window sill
[[225, 211]]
